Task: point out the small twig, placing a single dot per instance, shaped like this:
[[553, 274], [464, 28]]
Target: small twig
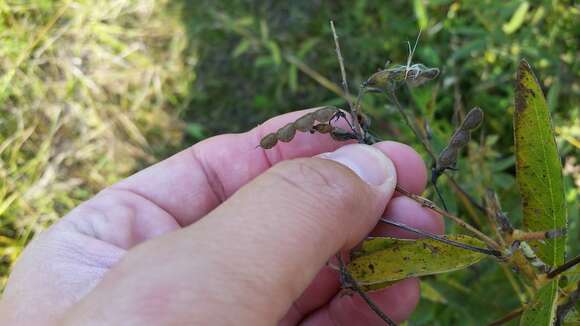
[[393, 98], [510, 316], [348, 282], [353, 109], [429, 204], [486, 251], [341, 64], [465, 194], [540, 235], [434, 183], [564, 267]]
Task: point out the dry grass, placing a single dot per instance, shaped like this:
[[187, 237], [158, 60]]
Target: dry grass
[[87, 95]]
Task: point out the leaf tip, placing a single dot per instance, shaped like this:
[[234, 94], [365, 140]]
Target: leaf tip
[[522, 89]]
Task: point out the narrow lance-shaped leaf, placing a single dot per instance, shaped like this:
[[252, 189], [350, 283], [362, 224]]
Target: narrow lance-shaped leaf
[[539, 171], [381, 261], [542, 310]]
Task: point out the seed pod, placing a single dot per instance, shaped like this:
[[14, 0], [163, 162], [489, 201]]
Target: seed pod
[[459, 139], [325, 114], [473, 119], [340, 134], [419, 74], [447, 158], [269, 141], [383, 79], [286, 133], [304, 123], [323, 128]]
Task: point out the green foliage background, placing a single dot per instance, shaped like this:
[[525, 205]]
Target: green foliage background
[[91, 91]]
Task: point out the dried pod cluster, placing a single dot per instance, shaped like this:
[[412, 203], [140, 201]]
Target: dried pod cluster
[[388, 79], [448, 157], [316, 121]]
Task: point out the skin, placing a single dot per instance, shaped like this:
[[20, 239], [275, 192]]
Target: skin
[[224, 233]]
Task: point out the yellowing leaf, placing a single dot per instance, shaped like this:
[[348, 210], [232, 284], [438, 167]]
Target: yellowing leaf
[[538, 168], [542, 310], [382, 261]]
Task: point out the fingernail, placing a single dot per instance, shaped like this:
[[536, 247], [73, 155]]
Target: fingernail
[[369, 163]]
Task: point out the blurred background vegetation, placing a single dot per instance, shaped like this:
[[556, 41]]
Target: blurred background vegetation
[[91, 91]]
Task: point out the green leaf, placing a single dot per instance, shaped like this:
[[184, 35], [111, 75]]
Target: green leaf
[[430, 293], [381, 261], [242, 48], [542, 310], [421, 13], [275, 51], [538, 168], [517, 19]]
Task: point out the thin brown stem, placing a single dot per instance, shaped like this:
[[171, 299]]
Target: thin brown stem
[[471, 200], [429, 204], [539, 235], [353, 108], [439, 238], [393, 97], [348, 282], [564, 267], [510, 316]]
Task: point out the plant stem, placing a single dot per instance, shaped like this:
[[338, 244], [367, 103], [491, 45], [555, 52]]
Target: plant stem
[[353, 109], [393, 97], [348, 282], [564, 267], [511, 315], [429, 204], [472, 200], [442, 239]]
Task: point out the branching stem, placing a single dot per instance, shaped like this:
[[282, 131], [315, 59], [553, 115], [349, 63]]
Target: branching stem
[[442, 239], [564, 267], [349, 283], [429, 204]]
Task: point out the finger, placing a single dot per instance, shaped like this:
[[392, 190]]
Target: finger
[[255, 253], [411, 170], [411, 175], [397, 301], [409, 212], [191, 183]]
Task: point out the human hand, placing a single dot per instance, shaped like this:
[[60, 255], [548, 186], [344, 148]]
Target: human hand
[[215, 236]]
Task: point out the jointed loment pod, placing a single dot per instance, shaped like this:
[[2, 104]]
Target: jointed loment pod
[[307, 123], [448, 157]]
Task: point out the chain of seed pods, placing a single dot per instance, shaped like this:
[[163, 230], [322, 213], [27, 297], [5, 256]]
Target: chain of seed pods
[[448, 157], [308, 123]]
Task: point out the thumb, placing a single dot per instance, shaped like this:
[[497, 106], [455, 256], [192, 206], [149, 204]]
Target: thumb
[[249, 259]]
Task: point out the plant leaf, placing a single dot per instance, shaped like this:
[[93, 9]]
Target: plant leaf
[[542, 310], [538, 168], [517, 19], [382, 261]]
